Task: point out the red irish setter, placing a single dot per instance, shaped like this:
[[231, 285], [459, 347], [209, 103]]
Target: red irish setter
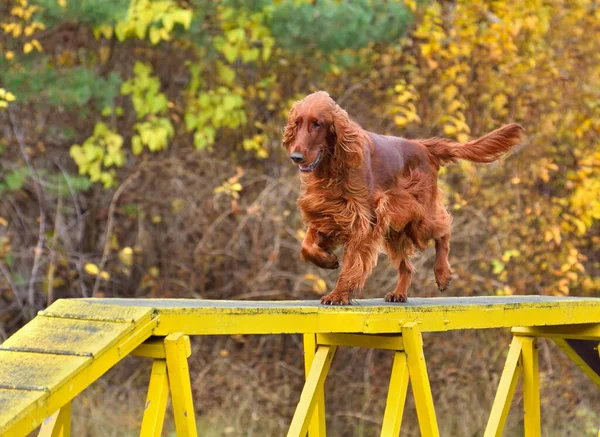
[[364, 191]]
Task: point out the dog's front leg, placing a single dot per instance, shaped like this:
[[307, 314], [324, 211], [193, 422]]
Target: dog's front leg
[[359, 260], [316, 248]]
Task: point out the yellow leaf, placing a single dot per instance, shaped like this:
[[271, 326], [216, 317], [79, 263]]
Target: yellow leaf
[[319, 286], [35, 43], [126, 256], [104, 275], [9, 97], [400, 120], [449, 129], [92, 269], [17, 29], [3, 222], [450, 92], [462, 138], [9, 55], [28, 47], [154, 35]]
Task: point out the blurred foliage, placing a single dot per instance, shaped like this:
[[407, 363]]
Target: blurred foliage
[[140, 141], [111, 89]]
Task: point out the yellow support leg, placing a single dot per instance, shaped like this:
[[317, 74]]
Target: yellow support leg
[[314, 383], [413, 345], [156, 400], [59, 424], [177, 347], [394, 407], [317, 426], [506, 390], [531, 388]]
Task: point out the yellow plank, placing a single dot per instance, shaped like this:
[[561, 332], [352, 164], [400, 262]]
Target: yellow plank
[[195, 317], [386, 342], [394, 406], [37, 372], [154, 347], [95, 309], [65, 375], [156, 400], [317, 426], [506, 390], [589, 331], [413, 344], [65, 336], [314, 382], [531, 387], [12, 402], [177, 346]]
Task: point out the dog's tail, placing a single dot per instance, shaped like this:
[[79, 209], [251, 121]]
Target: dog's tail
[[487, 148]]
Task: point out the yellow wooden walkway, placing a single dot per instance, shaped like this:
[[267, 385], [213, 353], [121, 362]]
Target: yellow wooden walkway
[[73, 342]]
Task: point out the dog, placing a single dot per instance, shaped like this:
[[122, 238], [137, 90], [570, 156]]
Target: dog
[[364, 191]]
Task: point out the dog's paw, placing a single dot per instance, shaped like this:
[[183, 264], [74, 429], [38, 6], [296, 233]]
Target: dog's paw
[[393, 297], [443, 278], [331, 262], [336, 299]]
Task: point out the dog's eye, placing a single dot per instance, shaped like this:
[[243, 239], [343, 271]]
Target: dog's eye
[[316, 124]]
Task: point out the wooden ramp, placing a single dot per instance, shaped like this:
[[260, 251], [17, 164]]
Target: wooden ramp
[[61, 352], [73, 342]]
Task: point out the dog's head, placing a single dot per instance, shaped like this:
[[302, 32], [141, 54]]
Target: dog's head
[[317, 129]]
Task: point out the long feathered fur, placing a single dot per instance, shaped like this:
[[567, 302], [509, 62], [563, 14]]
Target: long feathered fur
[[343, 205], [485, 149]]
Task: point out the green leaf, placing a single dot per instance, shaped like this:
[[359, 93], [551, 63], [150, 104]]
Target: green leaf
[[235, 35], [498, 266], [15, 180], [230, 52], [226, 74], [200, 141], [136, 145]]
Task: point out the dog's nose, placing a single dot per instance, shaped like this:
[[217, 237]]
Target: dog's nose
[[297, 157]]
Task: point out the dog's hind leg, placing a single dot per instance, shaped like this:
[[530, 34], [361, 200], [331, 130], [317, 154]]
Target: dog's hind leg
[[441, 236], [442, 266], [399, 248]]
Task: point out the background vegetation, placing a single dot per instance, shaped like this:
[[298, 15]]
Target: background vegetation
[[140, 157]]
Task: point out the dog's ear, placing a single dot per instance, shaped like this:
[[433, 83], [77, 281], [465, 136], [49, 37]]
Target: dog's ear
[[348, 147], [289, 131]]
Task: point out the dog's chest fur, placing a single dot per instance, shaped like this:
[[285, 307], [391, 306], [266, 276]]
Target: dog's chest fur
[[333, 211]]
